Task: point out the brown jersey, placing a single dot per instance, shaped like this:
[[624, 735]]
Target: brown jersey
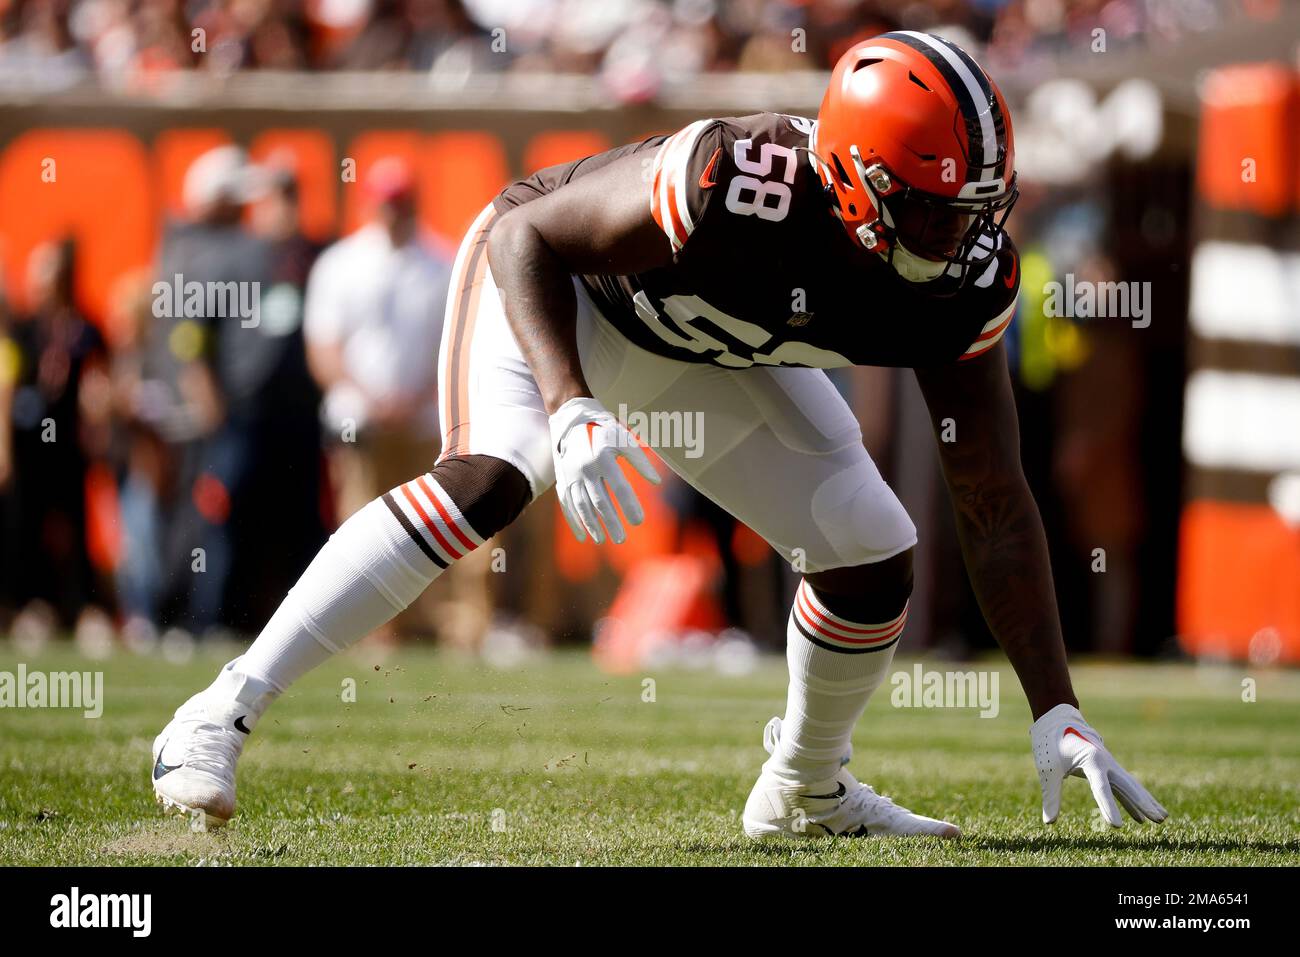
[[763, 272]]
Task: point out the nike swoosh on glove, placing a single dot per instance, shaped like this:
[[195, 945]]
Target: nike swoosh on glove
[[587, 442], [1064, 744]]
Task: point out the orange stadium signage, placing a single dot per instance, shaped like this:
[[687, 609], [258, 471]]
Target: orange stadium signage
[[112, 188]]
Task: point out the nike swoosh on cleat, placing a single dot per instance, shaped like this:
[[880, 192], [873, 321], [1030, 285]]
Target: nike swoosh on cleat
[[827, 797], [240, 726], [159, 769]]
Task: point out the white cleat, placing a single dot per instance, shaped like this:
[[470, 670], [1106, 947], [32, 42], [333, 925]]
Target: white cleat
[[194, 757], [841, 806]]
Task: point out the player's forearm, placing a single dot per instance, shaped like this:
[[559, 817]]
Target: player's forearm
[[1005, 549], [541, 308]]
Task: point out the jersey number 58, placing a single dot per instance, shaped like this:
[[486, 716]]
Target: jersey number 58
[[755, 194]]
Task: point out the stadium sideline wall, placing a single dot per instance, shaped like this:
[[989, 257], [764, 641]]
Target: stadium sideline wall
[[1239, 574]]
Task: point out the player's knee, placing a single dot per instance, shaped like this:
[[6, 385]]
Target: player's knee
[[860, 518], [875, 591], [489, 492]]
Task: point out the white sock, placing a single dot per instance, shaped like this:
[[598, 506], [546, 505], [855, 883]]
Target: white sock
[[372, 568], [835, 665]]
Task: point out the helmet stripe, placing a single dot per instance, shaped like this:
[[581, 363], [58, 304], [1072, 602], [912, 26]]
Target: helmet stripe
[[995, 108], [970, 87]]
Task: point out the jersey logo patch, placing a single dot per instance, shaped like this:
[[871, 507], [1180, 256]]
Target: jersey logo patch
[[1015, 268], [799, 319], [707, 180]]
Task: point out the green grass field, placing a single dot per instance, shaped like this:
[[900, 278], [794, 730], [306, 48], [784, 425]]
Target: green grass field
[[443, 761]]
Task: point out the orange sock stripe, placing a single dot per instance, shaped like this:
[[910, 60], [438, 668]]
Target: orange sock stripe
[[836, 622], [428, 523], [446, 517], [811, 618]]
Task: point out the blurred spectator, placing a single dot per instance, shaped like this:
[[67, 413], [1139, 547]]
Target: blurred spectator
[[256, 34], [48, 355], [636, 43], [145, 468], [217, 361], [277, 419], [774, 46], [426, 35], [36, 42], [374, 314], [214, 417]]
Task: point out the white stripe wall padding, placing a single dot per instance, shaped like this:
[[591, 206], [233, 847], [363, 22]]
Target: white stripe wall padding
[[1246, 291], [1242, 420]]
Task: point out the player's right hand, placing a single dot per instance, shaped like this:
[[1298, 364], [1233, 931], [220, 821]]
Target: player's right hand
[[587, 442], [1065, 745]]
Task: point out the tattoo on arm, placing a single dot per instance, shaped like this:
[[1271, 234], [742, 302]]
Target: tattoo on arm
[[998, 524]]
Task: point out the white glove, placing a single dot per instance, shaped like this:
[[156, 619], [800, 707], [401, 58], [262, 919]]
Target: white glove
[[1064, 744], [587, 442]]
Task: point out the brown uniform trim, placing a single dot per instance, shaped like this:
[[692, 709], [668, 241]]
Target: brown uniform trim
[[462, 313]]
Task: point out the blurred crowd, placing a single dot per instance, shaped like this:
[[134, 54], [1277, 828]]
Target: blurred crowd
[[251, 392], [134, 44], [164, 468], [169, 469]]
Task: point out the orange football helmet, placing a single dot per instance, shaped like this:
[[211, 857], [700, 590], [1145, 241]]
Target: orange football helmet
[[913, 144]]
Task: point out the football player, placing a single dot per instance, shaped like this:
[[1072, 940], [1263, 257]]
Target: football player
[[719, 271]]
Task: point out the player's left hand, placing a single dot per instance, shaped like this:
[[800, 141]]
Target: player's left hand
[[587, 442], [1064, 744]]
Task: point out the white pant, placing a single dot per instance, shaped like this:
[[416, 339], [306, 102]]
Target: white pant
[[778, 448]]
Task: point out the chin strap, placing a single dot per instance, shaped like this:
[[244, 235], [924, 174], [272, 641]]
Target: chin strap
[[913, 268]]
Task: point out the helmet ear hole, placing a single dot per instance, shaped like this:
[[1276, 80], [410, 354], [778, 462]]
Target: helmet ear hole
[[841, 173], [853, 210]]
